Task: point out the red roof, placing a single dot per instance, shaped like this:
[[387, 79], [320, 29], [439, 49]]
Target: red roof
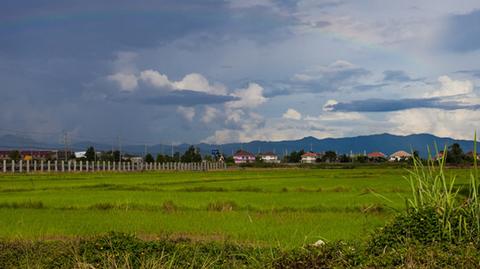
[[243, 153], [376, 154], [310, 154]]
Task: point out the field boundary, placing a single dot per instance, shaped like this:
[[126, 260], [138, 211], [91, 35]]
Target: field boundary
[[104, 166]]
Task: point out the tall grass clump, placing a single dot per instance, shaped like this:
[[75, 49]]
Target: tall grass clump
[[436, 212]]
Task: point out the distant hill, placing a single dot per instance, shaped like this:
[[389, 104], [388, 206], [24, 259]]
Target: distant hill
[[386, 143]]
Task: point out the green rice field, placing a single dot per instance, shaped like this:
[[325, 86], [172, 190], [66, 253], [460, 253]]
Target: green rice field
[[276, 207]]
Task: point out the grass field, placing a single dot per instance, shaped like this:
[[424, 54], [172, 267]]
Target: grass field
[[277, 207]]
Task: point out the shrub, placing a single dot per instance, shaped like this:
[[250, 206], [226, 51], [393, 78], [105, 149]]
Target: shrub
[[435, 213]]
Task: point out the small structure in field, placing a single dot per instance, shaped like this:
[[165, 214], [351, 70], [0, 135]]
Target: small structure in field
[[269, 157], [242, 156], [400, 155], [310, 157]]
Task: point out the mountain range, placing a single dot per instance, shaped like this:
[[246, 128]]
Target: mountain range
[[386, 143]]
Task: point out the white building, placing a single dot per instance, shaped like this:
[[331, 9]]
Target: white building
[[310, 157], [80, 154], [400, 156], [269, 157]]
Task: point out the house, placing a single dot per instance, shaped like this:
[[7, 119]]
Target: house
[[269, 157], [470, 154], [136, 159], [400, 156], [242, 156], [4, 154], [376, 155], [80, 154], [310, 157]]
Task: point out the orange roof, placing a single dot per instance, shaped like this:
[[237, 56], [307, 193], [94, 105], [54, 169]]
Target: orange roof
[[310, 154], [401, 154], [376, 154]]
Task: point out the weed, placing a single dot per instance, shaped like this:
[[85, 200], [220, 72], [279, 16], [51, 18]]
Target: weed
[[222, 206]]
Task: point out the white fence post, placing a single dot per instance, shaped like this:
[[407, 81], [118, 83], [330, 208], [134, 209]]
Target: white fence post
[[4, 166]]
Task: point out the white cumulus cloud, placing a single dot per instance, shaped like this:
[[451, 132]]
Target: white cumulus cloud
[[250, 97], [450, 87], [193, 82], [210, 114], [459, 123], [155, 78], [292, 114], [329, 105], [126, 82], [187, 113]]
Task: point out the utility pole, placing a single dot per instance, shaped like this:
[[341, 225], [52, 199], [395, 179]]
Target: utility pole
[[65, 138], [119, 148]]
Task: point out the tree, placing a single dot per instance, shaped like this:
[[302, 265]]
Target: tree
[[161, 158], [192, 154], [329, 156], [149, 158], [229, 159], [416, 155], [14, 155], [176, 157], [116, 156], [90, 154], [295, 156], [344, 158], [455, 154], [361, 159]]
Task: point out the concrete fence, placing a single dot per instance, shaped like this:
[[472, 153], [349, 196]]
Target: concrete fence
[[85, 166]]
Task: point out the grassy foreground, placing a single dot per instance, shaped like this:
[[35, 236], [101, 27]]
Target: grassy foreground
[[280, 207], [242, 219]]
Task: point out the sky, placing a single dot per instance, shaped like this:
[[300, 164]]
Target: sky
[[211, 71]]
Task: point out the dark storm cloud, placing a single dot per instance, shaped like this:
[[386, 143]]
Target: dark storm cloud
[[54, 53], [395, 75], [331, 78], [184, 98], [462, 33], [475, 73], [387, 105]]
